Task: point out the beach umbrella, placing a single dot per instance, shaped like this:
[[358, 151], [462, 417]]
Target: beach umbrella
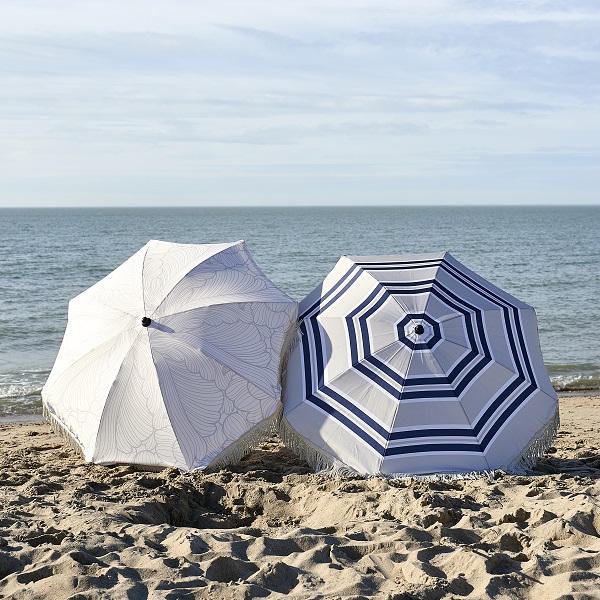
[[413, 364], [173, 359]]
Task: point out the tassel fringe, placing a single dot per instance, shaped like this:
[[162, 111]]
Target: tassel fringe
[[536, 448], [60, 429], [319, 461], [442, 477], [323, 463], [233, 453], [249, 441]]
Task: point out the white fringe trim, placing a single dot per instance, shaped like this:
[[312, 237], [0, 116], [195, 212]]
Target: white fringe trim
[[322, 462], [536, 448], [443, 477], [60, 429], [248, 442], [319, 460], [269, 427]]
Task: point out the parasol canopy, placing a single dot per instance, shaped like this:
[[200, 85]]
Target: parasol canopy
[[173, 359], [413, 364]]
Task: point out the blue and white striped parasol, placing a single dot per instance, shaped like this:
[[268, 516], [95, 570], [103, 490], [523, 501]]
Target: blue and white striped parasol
[[414, 364]]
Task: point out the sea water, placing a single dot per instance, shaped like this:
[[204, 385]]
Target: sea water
[[546, 256]]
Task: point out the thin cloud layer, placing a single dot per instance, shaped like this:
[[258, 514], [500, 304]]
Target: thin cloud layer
[[300, 103]]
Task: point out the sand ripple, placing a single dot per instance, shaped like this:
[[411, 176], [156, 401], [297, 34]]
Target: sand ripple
[[270, 528]]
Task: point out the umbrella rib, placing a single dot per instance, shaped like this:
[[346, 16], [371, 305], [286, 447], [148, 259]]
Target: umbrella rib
[[244, 377], [104, 411], [142, 276], [376, 352], [222, 364], [453, 389], [238, 243], [97, 302], [429, 294], [412, 355], [80, 358], [224, 303], [402, 305]]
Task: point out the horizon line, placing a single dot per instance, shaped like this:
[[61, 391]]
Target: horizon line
[[232, 206]]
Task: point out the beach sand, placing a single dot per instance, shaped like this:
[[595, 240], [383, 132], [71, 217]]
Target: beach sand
[[268, 527]]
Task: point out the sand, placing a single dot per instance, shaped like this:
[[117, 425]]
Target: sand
[[269, 527]]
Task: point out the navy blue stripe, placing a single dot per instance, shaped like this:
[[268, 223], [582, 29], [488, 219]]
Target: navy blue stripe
[[344, 420], [395, 376], [472, 374], [408, 435], [400, 266], [418, 394], [382, 383], [507, 413], [350, 324], [306, 355], [318, 349], [378, 364], [399, 262], [349, 405], [364, 330], [499, 301], [326, 298], [511, 339], [458, 369], [405, 291], [493, 407], [418, 448], [403, 284]]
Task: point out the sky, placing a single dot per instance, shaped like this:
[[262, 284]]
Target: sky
[[304, 102]]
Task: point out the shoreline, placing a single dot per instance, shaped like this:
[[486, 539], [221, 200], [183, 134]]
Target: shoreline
[[39, 417], [28, 418]]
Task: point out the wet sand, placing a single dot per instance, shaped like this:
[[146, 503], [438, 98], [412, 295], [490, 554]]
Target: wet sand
[[269, 528]]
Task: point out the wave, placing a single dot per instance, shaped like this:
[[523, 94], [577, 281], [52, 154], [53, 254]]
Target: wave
[[576, 383], [21, 392], [575, 377]]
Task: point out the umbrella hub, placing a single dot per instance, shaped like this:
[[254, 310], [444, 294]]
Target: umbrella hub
[[419, 331], [146, 321]]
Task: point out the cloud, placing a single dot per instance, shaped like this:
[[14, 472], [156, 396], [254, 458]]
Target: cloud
[[400, 93]]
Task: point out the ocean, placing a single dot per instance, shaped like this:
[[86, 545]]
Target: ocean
[[548, 257]]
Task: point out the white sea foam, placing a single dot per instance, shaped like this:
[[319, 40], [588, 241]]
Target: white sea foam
[[576, 382], [20, 391]]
